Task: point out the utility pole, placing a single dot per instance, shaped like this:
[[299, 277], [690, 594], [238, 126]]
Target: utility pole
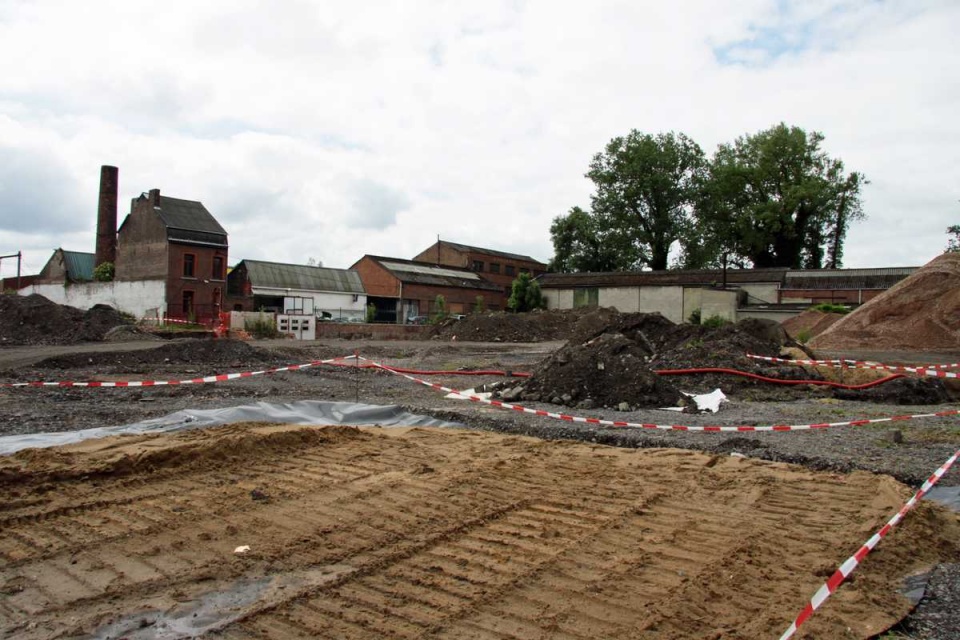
[[19, 256]]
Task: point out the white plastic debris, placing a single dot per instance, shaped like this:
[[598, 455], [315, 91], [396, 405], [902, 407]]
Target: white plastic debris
[[242, 549], [705, 402]]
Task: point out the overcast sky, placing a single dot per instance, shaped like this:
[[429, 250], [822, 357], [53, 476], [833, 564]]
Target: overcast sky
[[328, 130]]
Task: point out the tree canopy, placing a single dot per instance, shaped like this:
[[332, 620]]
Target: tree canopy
[[953, 244], [525, 294], [771, 199]]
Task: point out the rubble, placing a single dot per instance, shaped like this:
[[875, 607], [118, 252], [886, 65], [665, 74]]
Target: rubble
[[35, 320]]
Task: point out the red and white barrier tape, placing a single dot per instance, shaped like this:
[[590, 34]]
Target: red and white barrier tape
[[223, 377], [161, 321], [851, 563], [668, 427], [931, 370]]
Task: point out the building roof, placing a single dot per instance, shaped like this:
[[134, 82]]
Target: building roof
[[412, 272], [78, 265], [188, 221], [491, 252], [695, 277], [276, 275], [881, 278]]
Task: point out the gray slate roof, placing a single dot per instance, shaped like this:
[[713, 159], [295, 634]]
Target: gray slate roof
[[300, 276], [692, 277], [189, 221], [881, 278]]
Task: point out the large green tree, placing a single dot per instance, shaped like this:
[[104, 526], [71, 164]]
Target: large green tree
[[776, 199], [645, 186], [582, 242], [953, 244]]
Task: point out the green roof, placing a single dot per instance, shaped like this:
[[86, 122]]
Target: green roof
[[79, 265], [304, 277]]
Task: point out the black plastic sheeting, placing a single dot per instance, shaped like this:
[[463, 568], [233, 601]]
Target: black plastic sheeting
[[304, 412]]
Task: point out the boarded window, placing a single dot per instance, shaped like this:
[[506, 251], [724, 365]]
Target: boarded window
[[494, 267], [586, 297], [511, 270]]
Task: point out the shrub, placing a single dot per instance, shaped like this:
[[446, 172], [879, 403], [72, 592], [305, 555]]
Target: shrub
[[803, 336], [525, 294], [714, 322], [440, 310], [104, 272], [478, 305], [694, 317], [263, 327], [371, 312], [827, 307]]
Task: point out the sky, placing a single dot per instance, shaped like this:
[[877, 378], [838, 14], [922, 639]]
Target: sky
[[326, 131]]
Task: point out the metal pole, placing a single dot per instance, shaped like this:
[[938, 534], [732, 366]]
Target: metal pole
[[19, 258], [356, 376]]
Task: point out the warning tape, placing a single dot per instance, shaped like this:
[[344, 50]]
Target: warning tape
[[926, 370], [851, 563], [161, 321], [223, 377], [668, 427]]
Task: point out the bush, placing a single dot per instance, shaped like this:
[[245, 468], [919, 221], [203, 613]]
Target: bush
[[263, 327], [827, 307], [440, 310], [803, 336], [694, 317], [714, 322], [371, 312], [104, 272], [478, 305], [525, 294]]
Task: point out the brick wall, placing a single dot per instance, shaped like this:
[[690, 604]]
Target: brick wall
[[141, 244], [350, 331], [377, 281], [208, 292]]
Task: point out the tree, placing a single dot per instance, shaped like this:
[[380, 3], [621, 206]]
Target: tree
[[646, 186], [953, 244], [104, 272], [580, 243], [776, 199], [525, 294]]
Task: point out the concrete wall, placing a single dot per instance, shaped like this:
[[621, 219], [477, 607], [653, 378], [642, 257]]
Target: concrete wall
[[336, 304], [767, 292], [624, 299], [667, 301], [777, 315], [141, 298], [350, 331], [718, 302]]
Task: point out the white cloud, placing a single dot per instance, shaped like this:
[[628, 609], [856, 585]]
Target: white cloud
[[316, 129]]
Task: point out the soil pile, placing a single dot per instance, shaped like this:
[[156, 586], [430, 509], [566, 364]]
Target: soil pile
[[217, 353], [919, 313], [535, 326], [810, 323], [34, 320], [616, 367]]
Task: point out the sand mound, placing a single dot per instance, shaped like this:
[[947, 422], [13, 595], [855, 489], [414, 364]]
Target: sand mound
[[919, 313], [33, 319], [810, 322]]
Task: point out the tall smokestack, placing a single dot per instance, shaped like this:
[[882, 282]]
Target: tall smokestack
[[107, 216]]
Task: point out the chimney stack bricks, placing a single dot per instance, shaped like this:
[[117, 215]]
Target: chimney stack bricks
[[107, 216]]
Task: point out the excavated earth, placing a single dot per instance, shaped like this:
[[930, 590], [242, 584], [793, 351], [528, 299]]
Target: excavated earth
[[516, 526]]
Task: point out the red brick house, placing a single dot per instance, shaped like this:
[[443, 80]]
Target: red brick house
[[180, 242], [403, 289], [498, 267]]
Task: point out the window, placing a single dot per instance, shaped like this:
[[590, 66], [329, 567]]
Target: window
[[478, 265], [189, 265], [217, 268], [494, 267], [187, 304], [510, 270]]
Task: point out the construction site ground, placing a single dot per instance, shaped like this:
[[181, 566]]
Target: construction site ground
[[515, 526]]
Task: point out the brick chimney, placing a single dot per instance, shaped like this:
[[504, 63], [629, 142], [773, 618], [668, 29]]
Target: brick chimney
[[154, 197], [107, 216]]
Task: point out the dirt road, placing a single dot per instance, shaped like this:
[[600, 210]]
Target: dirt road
[[410, 533]]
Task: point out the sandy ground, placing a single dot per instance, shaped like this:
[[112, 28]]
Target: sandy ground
[[413, 533], [447, 533]]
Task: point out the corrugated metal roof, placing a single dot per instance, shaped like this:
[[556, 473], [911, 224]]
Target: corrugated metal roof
[[408, 271], [881, 278], [697, 277], [78, 264], [492, 252], [300, 276]]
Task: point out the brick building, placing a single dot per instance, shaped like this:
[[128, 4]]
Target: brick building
[[498, 267], [179, 242], [403, 289], [66, 267]]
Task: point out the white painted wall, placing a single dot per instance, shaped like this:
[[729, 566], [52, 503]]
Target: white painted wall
[[623, 299], [140, 297], [336, 304], [667, 301]]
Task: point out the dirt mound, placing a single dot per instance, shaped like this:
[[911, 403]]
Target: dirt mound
[[33, 319], [220, 353], [919, 313], [605, 372], [810, 323], [616, 367], [535, 326]]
